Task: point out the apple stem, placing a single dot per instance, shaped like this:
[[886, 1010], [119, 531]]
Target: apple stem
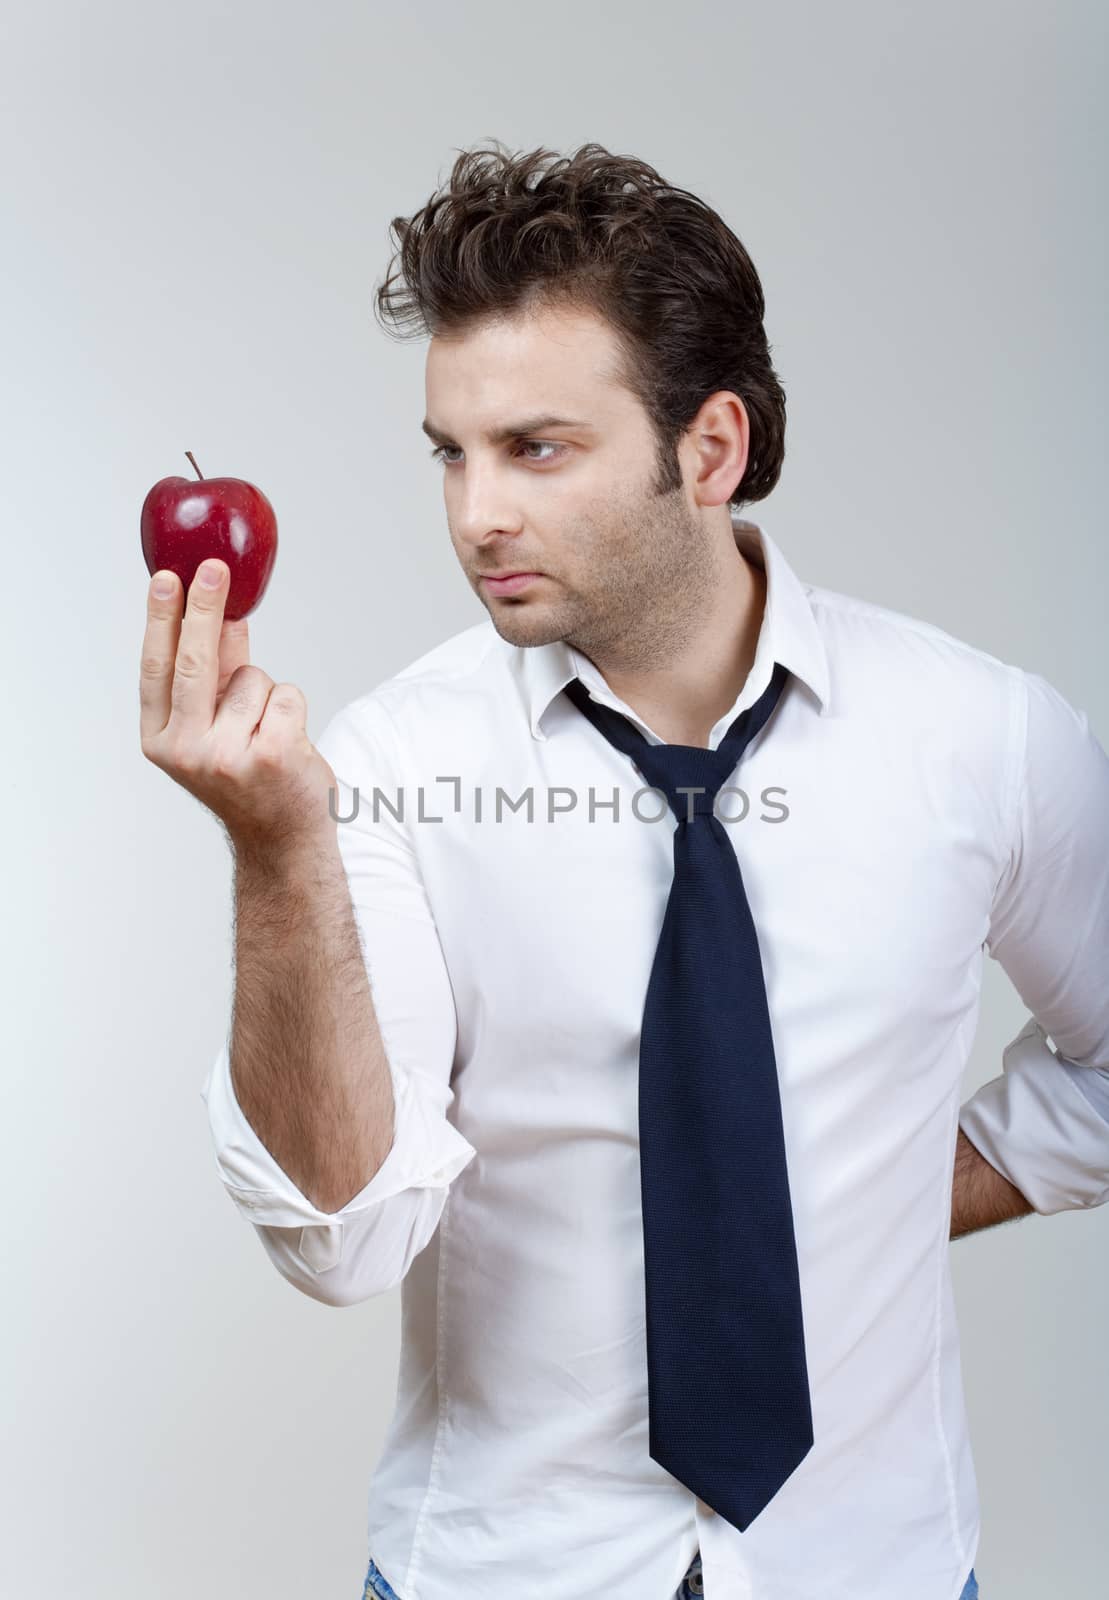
[[192, 458]]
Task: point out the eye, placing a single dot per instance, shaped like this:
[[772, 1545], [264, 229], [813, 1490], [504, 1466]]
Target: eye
[[543, 444], [439, 452]]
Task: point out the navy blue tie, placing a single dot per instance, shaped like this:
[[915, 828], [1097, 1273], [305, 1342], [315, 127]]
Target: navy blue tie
[[727, 1381]]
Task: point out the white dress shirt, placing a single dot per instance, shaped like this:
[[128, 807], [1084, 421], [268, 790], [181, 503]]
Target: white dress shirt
[[913, 803]]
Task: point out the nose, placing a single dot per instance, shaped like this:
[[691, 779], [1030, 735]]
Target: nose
[[481, 507]]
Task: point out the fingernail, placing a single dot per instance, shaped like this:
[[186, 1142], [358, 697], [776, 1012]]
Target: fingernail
[[162, 587], [211, 575]]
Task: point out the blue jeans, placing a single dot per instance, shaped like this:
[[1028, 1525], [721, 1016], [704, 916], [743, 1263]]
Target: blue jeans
[[692, 1584], [378, 1588]]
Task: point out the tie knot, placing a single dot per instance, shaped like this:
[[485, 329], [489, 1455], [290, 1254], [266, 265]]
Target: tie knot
[[688, 776], [701, 802]]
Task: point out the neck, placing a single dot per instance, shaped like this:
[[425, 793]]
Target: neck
[[684, 697]]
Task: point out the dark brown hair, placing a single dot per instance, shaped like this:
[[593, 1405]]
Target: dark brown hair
[[511, 233]]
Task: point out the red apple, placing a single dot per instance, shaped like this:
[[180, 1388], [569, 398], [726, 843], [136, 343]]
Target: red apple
[[184, 522]]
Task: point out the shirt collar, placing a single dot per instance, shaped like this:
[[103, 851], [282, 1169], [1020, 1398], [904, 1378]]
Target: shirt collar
[[789, 634]]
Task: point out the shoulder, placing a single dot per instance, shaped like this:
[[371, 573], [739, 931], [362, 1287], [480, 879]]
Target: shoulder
[[948, 714], [900, 635], [430, 694], [909, 660], [431, 684]]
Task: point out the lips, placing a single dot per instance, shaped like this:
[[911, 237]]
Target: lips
[[510, 584]]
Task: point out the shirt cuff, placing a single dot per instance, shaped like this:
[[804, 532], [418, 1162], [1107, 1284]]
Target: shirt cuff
[[1039, 1129], [427, 1152]]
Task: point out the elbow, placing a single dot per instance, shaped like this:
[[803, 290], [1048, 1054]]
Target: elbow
[[330, 1286], [365, 1255]]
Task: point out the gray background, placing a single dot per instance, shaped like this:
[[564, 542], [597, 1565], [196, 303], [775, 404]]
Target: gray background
[[195, 206]]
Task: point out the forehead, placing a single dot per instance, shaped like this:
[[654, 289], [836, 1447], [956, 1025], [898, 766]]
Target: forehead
[[560, 359]]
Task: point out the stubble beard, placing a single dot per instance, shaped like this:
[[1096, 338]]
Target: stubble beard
[[651, 573]]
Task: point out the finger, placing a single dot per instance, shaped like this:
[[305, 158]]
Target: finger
[[196, 667], [159, 649], [282, 737], [285, 710], [234, 652], [240, 710], [285, 713]]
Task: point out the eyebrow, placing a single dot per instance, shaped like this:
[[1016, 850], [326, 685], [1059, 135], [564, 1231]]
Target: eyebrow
[[509, 430]]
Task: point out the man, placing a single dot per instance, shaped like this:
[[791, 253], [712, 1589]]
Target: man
[[473, 1048]]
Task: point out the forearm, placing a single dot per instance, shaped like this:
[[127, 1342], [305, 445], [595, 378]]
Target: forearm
[[980, 1196], [307, 1062]]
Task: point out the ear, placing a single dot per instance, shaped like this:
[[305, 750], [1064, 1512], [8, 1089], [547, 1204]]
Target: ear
[[719, 438]]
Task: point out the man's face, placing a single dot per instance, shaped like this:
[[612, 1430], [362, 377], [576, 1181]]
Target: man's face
[[622, 569]]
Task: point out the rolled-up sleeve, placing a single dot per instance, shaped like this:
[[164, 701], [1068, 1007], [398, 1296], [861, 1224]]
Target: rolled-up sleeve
[[347, 1256], [1044, 1122]]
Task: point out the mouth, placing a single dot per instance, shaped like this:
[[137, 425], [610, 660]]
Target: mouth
[[511, 582]]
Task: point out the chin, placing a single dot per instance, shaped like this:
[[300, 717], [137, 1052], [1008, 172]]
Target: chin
[[525, 625]]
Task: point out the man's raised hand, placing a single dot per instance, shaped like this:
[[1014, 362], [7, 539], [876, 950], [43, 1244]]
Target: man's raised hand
[[222, 728]]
